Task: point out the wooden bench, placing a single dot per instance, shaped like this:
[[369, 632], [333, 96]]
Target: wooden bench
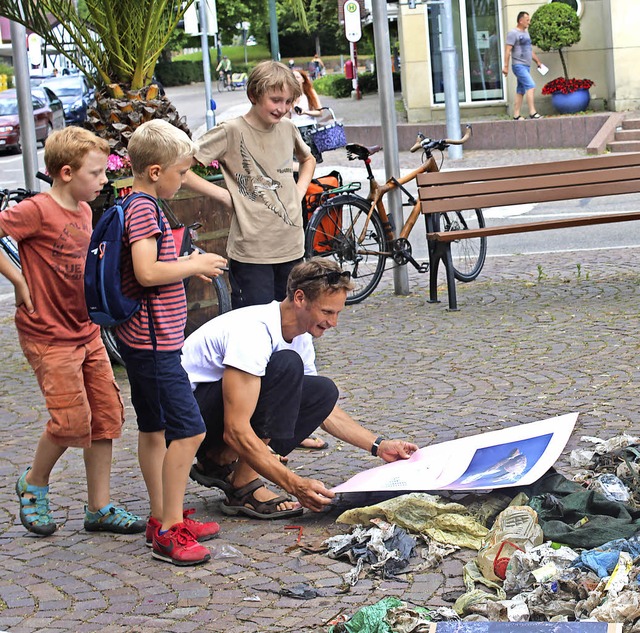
[[521, 184]]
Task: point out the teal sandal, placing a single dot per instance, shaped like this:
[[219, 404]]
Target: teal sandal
[[35, 514]]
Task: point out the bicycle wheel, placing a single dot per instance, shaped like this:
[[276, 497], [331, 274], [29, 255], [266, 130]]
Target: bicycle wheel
[[9, 246], [468, 254], [205, 301], [109, 339], [335, 229], [220, 85]]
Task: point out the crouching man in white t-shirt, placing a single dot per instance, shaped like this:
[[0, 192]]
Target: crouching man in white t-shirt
[[254, 375]]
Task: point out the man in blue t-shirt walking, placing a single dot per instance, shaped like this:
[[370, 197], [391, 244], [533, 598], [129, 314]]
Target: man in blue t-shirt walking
[[518, 47]]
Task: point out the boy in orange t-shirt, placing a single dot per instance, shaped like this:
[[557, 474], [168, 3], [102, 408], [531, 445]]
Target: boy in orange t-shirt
[[62, 345]]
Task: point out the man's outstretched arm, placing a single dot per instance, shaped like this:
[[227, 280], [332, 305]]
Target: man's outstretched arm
[[341, 425]]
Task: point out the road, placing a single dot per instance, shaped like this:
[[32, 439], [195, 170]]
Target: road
[[191, 103]]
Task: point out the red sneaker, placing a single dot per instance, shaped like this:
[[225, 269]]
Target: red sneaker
[[179, 547], [201, 531], [153, 525]]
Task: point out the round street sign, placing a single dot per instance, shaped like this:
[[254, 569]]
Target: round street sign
[[352, 24]]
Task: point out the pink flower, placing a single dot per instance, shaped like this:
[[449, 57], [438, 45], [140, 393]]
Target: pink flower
[[118, 166]]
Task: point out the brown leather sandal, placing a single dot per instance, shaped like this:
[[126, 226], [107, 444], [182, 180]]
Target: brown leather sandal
[[211, 475], [242, 501]]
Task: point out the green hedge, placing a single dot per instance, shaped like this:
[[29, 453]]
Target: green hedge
[[338, 86], [179, 73]]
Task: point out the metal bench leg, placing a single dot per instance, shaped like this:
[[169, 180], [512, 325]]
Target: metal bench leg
[[434, 263], [451, 278], [441, 251]]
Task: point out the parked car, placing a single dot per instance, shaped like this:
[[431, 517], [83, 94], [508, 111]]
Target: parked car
[[76, 95], [48, 97], [10, 123]]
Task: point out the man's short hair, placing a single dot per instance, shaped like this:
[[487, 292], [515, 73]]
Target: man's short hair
[[313, 277], [157, 142], [271, 75], [69, 146], [520, 16]]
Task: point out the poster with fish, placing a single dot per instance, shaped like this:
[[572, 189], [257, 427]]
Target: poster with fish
[[524, 627], [513, 456]]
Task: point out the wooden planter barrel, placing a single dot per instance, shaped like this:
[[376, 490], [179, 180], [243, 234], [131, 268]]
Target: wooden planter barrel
[[189, 208]]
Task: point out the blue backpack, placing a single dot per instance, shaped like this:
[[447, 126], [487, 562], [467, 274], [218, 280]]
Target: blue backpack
[[106, 304]]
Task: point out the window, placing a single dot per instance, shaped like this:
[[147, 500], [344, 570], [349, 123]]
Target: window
[[576, 5], [478, 47]]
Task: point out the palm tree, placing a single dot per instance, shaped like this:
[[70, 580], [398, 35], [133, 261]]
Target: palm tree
[[116, 48]]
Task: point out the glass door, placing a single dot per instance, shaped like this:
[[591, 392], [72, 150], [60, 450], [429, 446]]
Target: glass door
[[478, 47]]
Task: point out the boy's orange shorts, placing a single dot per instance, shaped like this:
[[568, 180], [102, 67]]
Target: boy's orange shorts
[[80, 391]]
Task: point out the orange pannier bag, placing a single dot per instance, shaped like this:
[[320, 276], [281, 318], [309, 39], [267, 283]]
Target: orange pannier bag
[[331, 223]]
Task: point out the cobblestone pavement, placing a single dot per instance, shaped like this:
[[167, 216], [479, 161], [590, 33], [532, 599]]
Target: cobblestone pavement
[[536, 336]]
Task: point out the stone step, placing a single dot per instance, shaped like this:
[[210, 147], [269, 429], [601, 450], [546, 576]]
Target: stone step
[[624, 146], [628, 135], [631, 124]]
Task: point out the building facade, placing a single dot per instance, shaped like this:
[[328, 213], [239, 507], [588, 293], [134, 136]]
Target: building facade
[[606, 54]]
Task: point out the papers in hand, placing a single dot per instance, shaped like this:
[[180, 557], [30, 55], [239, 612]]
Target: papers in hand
[[543, 70]]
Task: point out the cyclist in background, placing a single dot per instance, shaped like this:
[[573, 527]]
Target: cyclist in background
[[224, 68]]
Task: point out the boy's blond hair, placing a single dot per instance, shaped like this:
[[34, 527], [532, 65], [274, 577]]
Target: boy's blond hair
[[69, 146], [271, 75], [157, 142]]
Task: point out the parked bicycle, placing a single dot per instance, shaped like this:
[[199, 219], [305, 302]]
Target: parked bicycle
[[358, 234], [204, 301]]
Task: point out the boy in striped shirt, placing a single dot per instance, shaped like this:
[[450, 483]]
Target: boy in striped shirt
[[169, 421]]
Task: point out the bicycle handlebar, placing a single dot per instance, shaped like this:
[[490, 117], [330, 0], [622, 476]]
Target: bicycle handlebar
[[19, 194], [429, 144]]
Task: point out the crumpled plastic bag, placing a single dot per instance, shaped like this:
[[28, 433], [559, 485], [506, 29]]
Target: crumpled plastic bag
[[426, 514], [384, 546], [516, 527], [625, 607], [373, 618], [604, 558], [434, 553], [580, 458], [522, 570], [474, 601]]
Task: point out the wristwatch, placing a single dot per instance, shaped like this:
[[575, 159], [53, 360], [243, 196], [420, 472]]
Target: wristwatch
[[376, 445]]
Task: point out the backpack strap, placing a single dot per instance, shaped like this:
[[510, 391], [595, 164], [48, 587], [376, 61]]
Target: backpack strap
[[124, 203], [136, 195]]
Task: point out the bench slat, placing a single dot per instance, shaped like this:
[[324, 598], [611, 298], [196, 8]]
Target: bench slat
[[535, 169], [524, 186], [528, 227], [489, 200]]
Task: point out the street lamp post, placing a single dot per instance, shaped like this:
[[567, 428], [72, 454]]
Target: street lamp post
[[245, 33]]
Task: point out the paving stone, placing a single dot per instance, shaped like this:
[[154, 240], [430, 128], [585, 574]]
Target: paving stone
[[519, 350]]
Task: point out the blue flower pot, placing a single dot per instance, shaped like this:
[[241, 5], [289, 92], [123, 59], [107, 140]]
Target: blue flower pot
[[570, 103]]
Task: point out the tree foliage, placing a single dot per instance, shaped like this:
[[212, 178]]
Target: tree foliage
[[231, 13], [323, 33], [555, 26], [121, 45]]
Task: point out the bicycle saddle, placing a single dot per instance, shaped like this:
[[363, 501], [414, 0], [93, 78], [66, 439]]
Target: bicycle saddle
[[360, 151]]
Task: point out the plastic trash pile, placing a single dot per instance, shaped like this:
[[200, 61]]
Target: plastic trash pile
[[520, 573]]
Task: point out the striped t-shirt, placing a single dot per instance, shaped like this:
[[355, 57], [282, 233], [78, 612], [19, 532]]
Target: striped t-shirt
[[168, 302]]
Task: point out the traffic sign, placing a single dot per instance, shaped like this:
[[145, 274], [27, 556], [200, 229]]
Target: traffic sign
[[352, 23]]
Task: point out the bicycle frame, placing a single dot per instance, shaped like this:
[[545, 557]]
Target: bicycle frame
[[377, 192]]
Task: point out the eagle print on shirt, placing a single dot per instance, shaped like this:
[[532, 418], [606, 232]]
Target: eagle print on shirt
[[255, 184]]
